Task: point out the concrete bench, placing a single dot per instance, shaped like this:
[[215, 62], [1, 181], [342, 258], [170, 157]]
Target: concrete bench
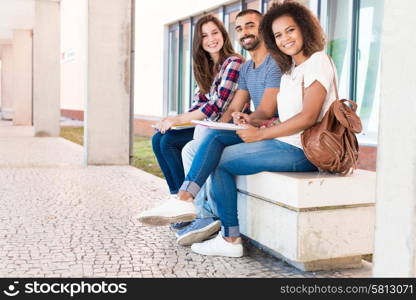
[[312, 221]]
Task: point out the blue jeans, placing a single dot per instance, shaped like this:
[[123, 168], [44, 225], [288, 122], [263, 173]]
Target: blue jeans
[[207, 158], [238, 158], [167, 148], [204, 203]]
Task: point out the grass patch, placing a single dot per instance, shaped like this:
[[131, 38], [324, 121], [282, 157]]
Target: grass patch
[[143, 157], [74, 134], [368, 257]]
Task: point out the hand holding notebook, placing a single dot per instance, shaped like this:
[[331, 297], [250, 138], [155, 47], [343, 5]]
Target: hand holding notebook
[[179, 126], [219, 125]]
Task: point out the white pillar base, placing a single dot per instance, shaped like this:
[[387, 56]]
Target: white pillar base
[[7, 113]]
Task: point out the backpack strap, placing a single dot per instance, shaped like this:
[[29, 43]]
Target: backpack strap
[[334, 81]]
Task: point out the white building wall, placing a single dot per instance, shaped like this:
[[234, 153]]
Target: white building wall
[[73, 54], [151, 20], [0, 81], [16, 14]]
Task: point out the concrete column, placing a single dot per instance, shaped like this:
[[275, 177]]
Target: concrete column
[[395, 235], [107, 134], [46, 68], [0, 78], [22, 80], [7, 82]]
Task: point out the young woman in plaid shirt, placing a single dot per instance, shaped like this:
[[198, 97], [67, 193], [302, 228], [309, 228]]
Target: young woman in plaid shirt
[[216, 69]]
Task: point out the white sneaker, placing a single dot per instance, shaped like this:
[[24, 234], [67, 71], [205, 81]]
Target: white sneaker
[[218, 246], [172, 211], [173, 197]]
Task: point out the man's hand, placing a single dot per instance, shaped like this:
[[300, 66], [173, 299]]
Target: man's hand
[[251, 134]]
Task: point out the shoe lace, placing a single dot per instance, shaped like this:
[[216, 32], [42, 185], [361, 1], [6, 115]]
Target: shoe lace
[[193, 222]]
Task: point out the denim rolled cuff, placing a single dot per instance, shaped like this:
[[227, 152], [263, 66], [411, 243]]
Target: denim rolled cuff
[[230, 231], [190, 187]]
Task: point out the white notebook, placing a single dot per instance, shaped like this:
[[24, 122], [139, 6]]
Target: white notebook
[[218, 125], [179, 126]]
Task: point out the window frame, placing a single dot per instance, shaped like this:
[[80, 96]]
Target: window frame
[[171, 31], [181, 92]]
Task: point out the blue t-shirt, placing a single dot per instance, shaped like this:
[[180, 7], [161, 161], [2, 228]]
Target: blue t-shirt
[[255, 81]]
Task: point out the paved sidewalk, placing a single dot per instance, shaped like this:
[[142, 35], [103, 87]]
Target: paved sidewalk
[[59, 218]]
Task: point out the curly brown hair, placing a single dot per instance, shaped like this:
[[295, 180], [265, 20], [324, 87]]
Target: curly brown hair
[[203, 65], [312, 32]]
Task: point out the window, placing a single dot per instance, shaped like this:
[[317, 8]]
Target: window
[[173, 69], [304, 2], [353, 29], [368, 62], [312, 4], [231, 12], [339, 32], [185, 67], [217, 13]]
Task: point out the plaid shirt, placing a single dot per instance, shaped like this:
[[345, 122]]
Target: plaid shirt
[[222, 90]]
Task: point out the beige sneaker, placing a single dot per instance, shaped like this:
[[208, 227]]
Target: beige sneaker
[[172, 211]]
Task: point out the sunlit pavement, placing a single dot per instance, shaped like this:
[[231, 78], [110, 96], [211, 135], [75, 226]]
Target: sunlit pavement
[[59, 218]]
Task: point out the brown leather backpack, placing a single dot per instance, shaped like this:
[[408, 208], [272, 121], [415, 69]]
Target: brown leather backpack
[[331, 145]]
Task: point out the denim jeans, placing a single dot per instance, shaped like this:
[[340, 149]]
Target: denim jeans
[[207, 158], [238, 158], [204, 203], [167, 148]]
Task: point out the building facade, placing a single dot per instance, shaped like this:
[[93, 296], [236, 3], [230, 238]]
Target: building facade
[[164, 81]]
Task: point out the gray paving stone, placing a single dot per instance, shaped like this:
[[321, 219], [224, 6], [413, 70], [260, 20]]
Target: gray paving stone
[[59, 218]]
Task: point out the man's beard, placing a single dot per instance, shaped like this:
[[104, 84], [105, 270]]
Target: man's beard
[[251, 46]]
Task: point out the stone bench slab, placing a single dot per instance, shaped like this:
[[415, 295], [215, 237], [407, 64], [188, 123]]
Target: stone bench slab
[[310, 190], [312, 221]]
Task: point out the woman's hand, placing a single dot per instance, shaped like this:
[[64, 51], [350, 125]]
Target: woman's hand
[[240, 118], [251, 134], [165, 124]]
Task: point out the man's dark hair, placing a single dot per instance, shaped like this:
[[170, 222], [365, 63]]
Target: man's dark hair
[[312, 32], [248, 11]]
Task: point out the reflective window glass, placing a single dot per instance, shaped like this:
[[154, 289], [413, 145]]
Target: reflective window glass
[[231, 13], [186, 66], [173, 71], [338, 28], [368, 62]]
